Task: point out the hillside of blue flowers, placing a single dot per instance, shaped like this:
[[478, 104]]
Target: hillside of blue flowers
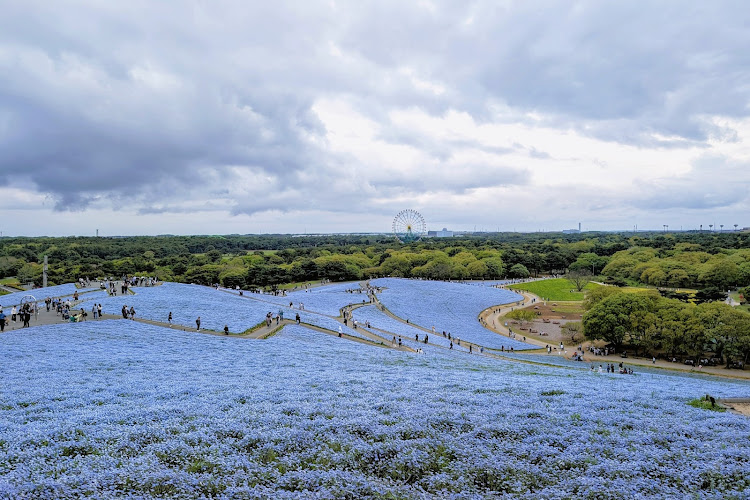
[[118, 408]]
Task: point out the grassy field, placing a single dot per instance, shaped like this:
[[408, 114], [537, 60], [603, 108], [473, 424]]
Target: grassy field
[[554, 289], [567, 307]]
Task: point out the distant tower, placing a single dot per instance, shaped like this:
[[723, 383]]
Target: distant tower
[[579, 227], [97, 233]]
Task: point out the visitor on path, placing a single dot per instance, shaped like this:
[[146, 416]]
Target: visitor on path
[[2, 321], [132, 313], [296, 318], [198, 323], [425, 338], [451, 347], [99, 310], [94, 311], [226, 329], [169, 319], [13, 314]]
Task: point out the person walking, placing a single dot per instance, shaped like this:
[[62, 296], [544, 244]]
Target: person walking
[[198, 323], [99, 309], [226, 329], [13, 314], [169, 319], [2, 321]]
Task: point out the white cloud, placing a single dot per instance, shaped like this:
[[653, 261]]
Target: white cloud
[[503, 114]]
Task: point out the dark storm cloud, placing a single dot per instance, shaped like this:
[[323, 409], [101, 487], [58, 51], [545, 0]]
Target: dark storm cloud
[[152, 104]]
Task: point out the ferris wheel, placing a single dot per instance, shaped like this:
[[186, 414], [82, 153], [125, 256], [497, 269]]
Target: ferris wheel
[[409, 225]]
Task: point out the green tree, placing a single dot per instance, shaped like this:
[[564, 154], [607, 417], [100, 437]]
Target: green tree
[[722, 274], [518, 271], [495, 267], [476, 269], [598, 294], [579, 278], [619, 317], [523, 315]]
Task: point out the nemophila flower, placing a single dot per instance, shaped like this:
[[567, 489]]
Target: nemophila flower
[[453, 307], [123, 409], [327, 299], [40, 294]]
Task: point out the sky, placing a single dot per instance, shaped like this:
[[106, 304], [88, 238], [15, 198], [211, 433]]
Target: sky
[[224, 117]]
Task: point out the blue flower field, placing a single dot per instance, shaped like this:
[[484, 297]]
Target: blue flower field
[[453, 307], [117, 408]]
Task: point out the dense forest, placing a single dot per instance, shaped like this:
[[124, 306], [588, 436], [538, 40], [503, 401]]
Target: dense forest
[[696, 260]]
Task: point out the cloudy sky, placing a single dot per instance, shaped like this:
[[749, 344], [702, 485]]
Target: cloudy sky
[[222, 116]]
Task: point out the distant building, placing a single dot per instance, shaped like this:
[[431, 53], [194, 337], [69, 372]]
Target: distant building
[[573, 231], [440, 234]]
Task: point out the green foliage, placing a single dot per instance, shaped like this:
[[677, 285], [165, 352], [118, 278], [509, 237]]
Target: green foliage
[[705, 405], [524, 315], [518, 271], [648, 322], [554, 392], [685, 265], [699, 260], [621, 317], [579, 278], [598, 294]]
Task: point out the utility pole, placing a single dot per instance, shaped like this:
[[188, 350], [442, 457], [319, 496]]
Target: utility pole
[[44, 273]]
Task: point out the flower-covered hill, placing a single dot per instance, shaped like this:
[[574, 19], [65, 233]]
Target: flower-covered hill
[[123, 409], [453, 307], [15, 298]]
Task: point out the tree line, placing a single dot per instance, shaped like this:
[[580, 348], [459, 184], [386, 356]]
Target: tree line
[[648, 323], [682, 259]]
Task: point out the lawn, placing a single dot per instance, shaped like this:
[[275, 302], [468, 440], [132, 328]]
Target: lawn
[[554, 289]]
